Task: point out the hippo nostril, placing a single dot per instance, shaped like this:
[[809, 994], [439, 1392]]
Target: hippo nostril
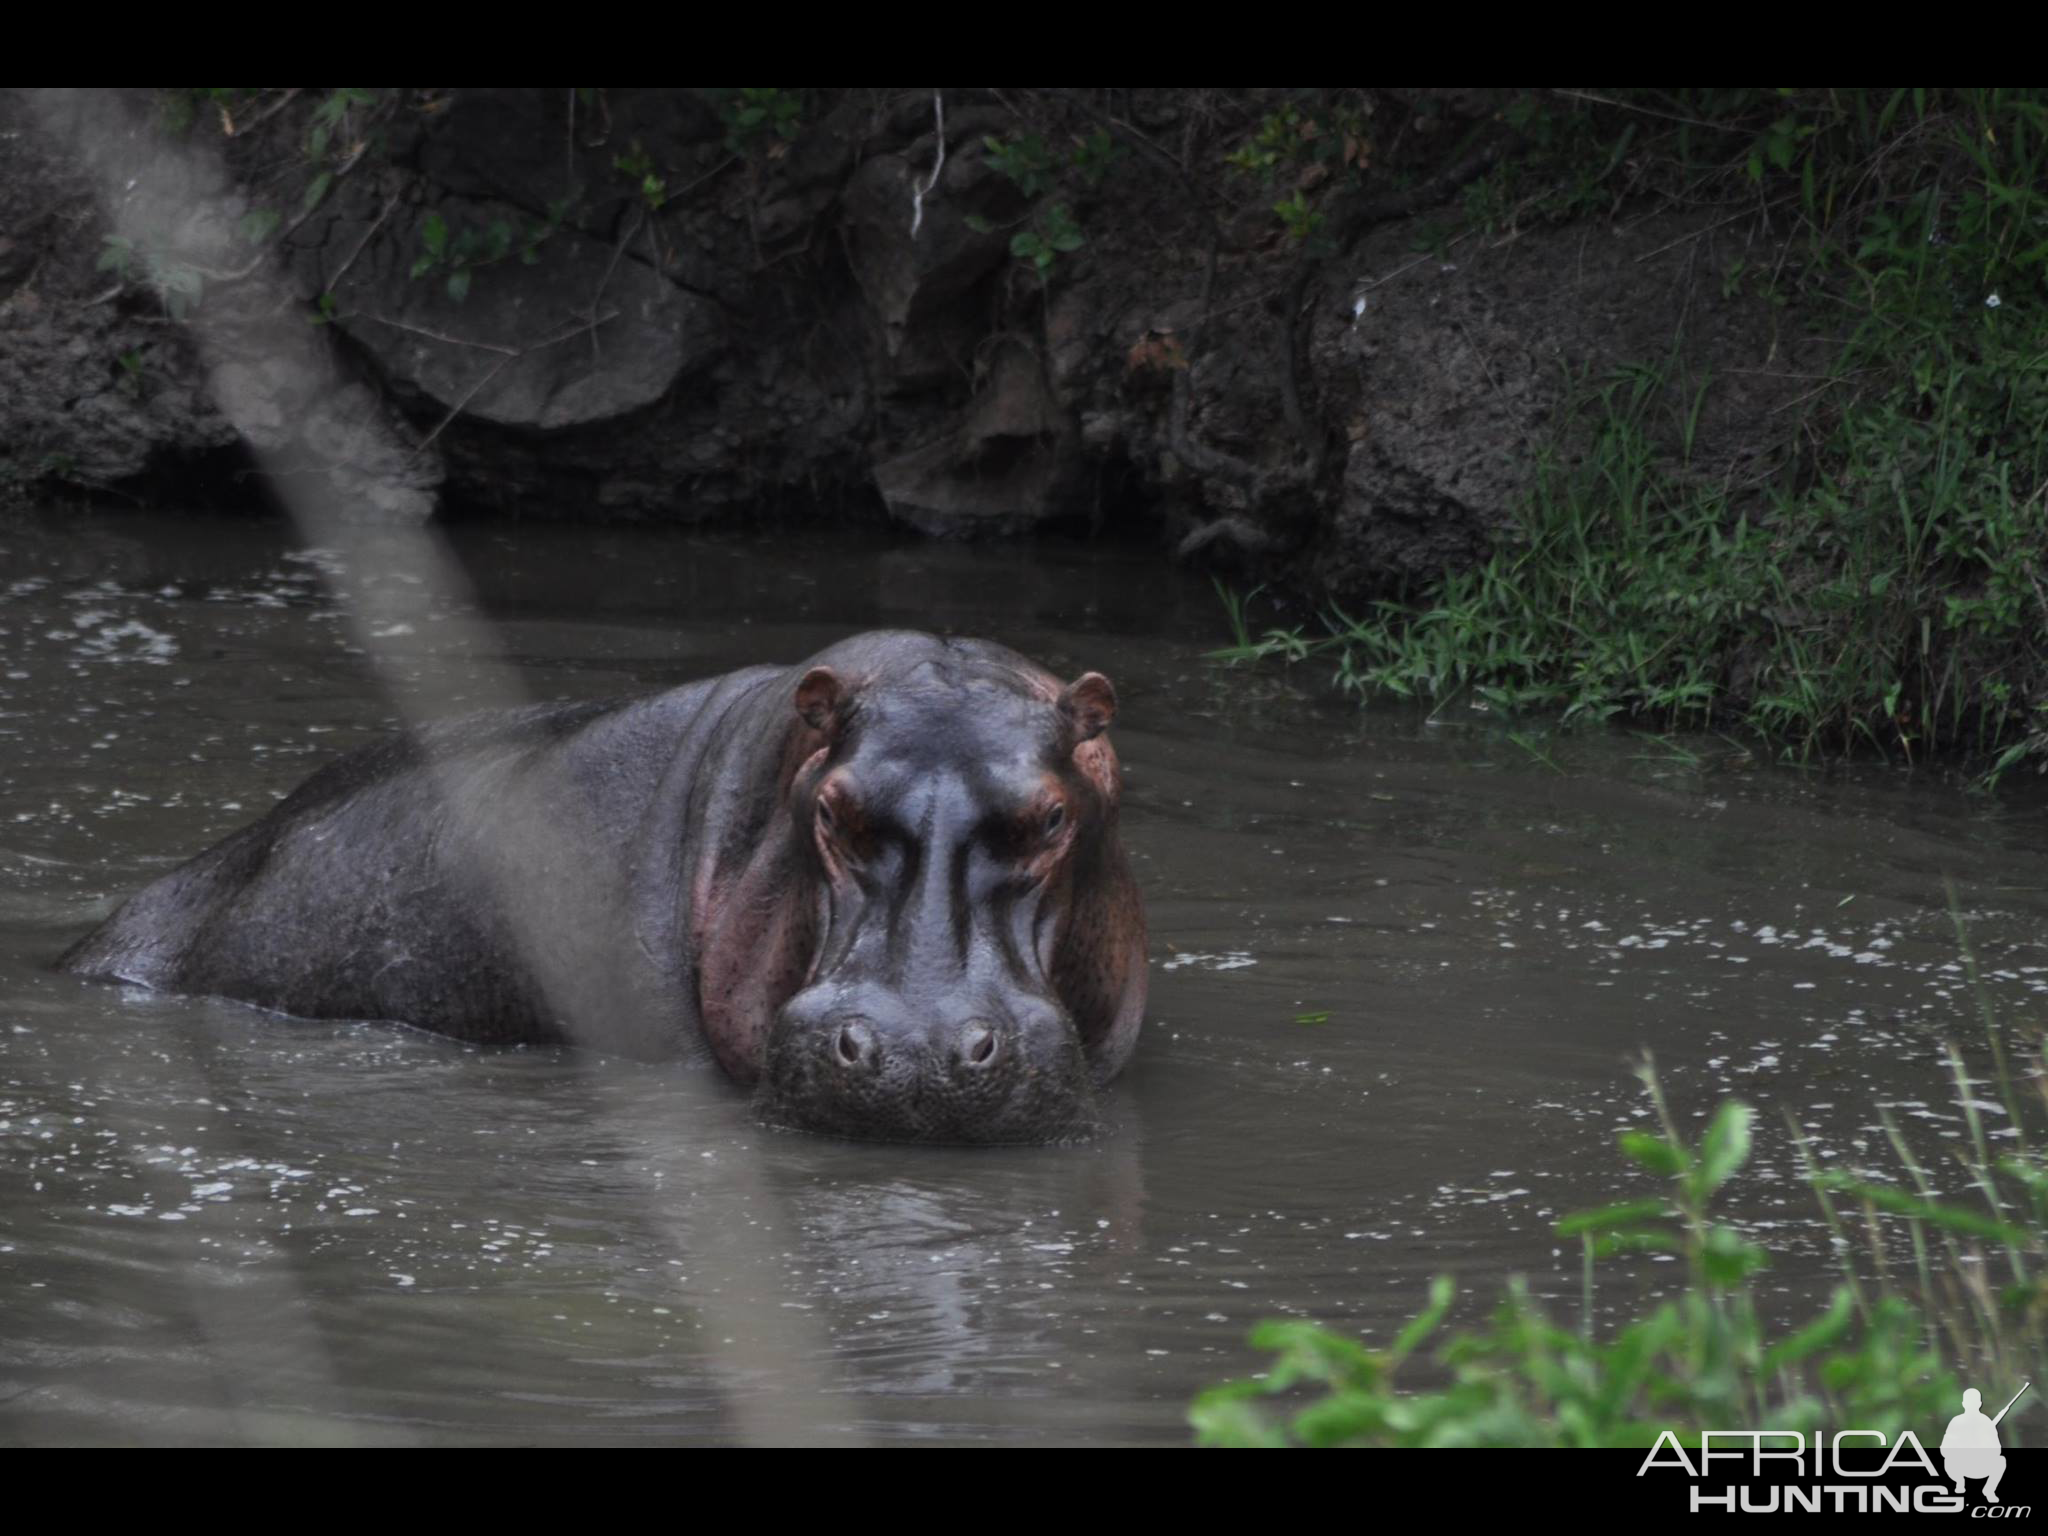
[[855, 1044], [977, 1044]]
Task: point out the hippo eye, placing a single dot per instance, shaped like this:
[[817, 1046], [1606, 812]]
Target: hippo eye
[[825, 817], [1055, 819]]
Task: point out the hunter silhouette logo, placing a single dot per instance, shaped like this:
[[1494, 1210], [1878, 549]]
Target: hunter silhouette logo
[[1780, 1471], [1969, 1446]]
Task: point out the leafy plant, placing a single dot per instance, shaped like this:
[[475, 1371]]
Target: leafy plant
[[759, 115], [460, 253], [1026, 160], [638, 165], [1703, 1361], [177, 284], [1883, 1354], [258, 225], [1053, 234]]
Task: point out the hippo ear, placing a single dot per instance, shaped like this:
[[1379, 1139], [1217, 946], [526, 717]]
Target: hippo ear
[[1088, 706], [818, 697]]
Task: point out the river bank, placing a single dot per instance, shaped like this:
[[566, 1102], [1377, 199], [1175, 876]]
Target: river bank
[[1724, 408]]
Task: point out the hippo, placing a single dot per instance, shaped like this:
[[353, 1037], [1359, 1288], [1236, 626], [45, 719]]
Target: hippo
[[883, 888]]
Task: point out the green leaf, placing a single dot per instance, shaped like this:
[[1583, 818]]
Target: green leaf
[[1728, 1258], [1726, 1147], [1636, 1240], [317, 189], [1653, 1153], [1229, 1416], [1340, 1419], [458, 284], [258, 225], [1441, 1294], [1608, 1217], [1311, 1353], [1816, 1335], [1899, 1203], [434, 234]]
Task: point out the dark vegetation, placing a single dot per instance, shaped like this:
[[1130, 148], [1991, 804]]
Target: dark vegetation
[[1879, 579]]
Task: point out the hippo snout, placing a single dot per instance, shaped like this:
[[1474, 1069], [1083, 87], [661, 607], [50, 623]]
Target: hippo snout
[[974, 1049], [867, 1063]]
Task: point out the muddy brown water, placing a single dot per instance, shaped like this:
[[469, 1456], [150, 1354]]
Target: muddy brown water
[[1400, 970]]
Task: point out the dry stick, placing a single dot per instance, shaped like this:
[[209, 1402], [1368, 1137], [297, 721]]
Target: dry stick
[[508, 357], [597, 297], [261, 117], [1745, 211], [1123, 130], [442, 336], [717, 170], [1626, 106], [919, 194], [249, 268], [363, 244], [1478, 356], [461, 405]]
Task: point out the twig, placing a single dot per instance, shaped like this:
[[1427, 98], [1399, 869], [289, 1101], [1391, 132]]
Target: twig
[[724, 165], [248, 268], [509, 355], [1745, 211], [918, 194], [1354, 221], [1473, 346], [1197, 194], [462, 405], [1627, 106], [597, 297], [569, 149], [369, 234], [265, 115], [433, 335]]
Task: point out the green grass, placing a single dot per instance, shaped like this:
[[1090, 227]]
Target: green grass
[[1887, 590]]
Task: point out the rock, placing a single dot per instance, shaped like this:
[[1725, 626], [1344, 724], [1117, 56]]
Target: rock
[[1000, 470], [90, 392], [1456, 375], [716, 326], [583, 334], [913, 284]]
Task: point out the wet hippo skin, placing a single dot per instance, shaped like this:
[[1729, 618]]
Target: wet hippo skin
[[884, 888]]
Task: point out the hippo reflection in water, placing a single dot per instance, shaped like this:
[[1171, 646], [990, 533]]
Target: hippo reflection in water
[[883, 887]]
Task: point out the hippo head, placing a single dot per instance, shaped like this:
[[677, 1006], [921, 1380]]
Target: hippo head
[[975, 942]]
